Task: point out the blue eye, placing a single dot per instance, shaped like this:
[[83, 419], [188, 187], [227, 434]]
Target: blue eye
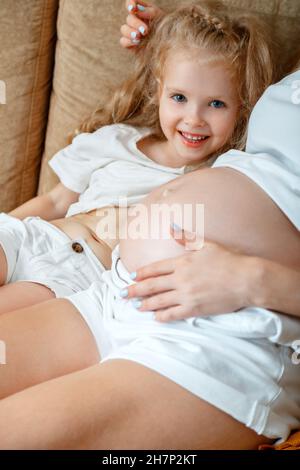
[[178, 98], [217, 104]]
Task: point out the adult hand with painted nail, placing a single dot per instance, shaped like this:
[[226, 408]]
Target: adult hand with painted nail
[[207, 279], [137, 22]]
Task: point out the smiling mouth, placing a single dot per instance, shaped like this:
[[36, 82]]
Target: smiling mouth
[[193, 139]]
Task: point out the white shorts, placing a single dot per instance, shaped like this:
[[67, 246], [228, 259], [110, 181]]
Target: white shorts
[[37, 251], [233, 361]]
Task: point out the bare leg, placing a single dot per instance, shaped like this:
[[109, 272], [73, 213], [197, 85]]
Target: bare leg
[[23, 294], [44, 341], [19, 294], [117, 405]]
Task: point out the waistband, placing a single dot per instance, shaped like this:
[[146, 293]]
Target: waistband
[[119, 274]]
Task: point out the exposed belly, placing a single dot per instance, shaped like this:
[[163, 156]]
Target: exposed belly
[[93, 228], [237, 214]]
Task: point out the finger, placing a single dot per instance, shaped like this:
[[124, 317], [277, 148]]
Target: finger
[[131, 34], [177, 312], [181, 235], [130, 6], [126, 43], [158, 302], [137, 25], [143, 9], [150, 287], [178, 234], [190, 240], [146, 11], [159, 268], [196, 244]]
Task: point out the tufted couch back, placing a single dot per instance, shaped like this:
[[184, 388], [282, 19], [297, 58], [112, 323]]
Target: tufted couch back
[[59, 58]]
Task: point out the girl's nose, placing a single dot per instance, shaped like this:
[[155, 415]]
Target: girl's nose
[[195, 118]]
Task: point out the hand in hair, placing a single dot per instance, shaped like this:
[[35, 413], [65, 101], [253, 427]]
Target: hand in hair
[[137, 22]]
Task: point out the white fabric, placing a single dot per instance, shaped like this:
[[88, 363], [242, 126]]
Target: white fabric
[[272, 157], [37, 251], [107, 165], [245, 375]]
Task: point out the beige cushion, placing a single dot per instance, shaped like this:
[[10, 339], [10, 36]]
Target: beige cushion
[[27, 39]]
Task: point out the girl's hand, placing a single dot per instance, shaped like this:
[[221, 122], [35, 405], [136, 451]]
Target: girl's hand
[[208, 279], [137, 22]]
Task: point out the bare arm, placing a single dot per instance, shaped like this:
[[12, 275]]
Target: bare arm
[[49, 206], [277, 287]]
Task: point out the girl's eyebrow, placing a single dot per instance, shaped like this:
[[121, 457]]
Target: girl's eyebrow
[[184, 92], [218, 97], [173, 88]]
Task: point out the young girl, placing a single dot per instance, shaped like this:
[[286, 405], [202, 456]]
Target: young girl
[[188, 100], [207, 383]]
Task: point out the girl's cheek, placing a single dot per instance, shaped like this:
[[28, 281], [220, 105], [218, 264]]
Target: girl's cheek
[[227, 124], [170, 114]]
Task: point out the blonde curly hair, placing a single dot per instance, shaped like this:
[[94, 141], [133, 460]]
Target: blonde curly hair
[[239, 39]]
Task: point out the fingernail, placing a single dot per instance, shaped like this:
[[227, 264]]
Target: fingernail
[[141, 7], [133, 34], [142, 30], [133, 275], [135, 41], [130, 8], [176, 227], [124, 292], [136, 303]]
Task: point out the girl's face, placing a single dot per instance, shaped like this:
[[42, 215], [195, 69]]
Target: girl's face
[[198, 107]]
